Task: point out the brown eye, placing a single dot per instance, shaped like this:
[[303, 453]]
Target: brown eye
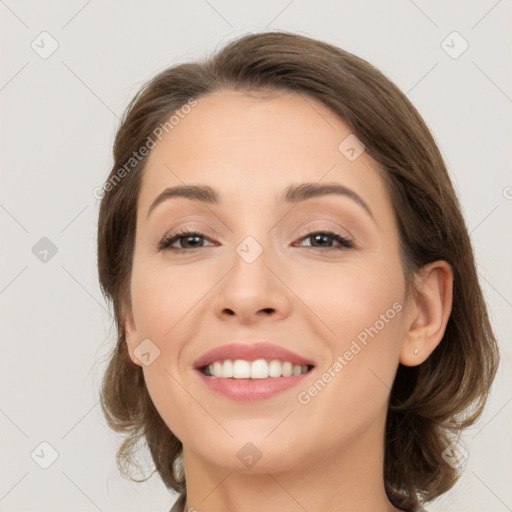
[[188, 240], [319, 240]]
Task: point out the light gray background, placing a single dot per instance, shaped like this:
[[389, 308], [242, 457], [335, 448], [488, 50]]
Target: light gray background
[[59, 115]]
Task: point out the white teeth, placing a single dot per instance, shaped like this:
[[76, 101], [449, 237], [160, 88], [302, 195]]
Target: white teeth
[[227, 368], [217, 368], [258, 369], [241, 369], [275, 368], [297, 370], [287, 369]]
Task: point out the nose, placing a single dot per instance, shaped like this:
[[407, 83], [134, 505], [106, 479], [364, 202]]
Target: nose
[[252, 292]]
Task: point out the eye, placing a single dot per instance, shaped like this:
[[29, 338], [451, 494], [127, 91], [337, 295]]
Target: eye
[[189, 240], [323, 237]]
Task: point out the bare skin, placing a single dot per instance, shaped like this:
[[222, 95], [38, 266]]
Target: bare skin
[[308, 294]]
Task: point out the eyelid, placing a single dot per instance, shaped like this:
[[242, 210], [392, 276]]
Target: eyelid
[[342, 230], [191, 226], [207, 232]]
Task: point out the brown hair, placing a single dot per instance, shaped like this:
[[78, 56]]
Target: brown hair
[[429, 404]]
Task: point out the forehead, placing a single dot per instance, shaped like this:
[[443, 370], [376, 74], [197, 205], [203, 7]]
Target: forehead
[[226, 122], [253, 146]]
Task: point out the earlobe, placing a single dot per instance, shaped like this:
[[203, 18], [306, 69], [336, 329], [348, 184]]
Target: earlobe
[[433, 305]]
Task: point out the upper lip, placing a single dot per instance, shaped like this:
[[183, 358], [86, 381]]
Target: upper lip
[[251, 352]]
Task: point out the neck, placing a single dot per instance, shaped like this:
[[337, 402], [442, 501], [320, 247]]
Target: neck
[[348, 478]]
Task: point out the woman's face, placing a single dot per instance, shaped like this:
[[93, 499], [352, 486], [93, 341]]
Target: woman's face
[[265, 269]]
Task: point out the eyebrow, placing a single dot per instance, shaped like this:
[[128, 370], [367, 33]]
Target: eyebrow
[[293, 194]]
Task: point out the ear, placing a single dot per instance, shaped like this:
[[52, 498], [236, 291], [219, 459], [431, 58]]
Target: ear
[[430, 306], [131, 335]]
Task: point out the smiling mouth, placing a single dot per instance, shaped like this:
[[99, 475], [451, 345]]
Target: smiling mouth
[[257, 369]]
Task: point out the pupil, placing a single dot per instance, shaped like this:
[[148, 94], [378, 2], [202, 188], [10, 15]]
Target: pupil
[[318, 238], [191, 237]]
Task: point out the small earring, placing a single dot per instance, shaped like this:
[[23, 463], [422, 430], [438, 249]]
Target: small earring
[[415, 351]]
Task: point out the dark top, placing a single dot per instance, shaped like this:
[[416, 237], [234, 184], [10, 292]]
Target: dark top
[[179, 506]]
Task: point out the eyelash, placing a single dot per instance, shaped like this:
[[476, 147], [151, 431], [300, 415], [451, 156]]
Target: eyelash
[[165, 244]]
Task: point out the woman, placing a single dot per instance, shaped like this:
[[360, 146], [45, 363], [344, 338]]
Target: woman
[[300, 323]]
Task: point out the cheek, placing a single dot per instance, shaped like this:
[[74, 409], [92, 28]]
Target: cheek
[[168, 307], [351, 297], [362, 327], [162, 297], [163, 301]]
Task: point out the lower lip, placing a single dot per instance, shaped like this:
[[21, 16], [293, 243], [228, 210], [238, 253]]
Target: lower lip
[[245, 390]]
